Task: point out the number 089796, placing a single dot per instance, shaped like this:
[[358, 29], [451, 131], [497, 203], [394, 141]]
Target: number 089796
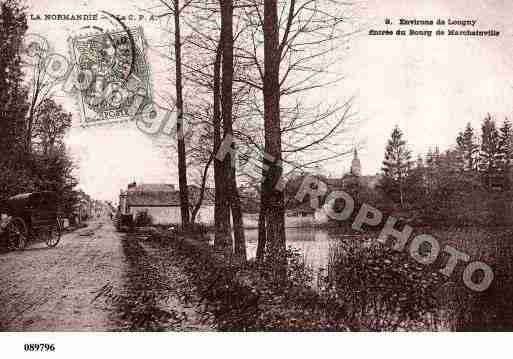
[[39, 347]]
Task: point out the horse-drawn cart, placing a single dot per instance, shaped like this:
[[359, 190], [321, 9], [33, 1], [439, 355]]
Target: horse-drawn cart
[[31, 216]]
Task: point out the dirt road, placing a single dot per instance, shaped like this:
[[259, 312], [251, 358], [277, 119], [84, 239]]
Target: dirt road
[[96, 280]]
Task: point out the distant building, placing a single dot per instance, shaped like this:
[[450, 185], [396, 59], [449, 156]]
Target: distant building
[[350, 182], [353, 177], [356, 166], [162, 202], [83, 208]]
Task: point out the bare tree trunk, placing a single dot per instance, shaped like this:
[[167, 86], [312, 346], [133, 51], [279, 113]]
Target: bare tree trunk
[[32, 110], [401, 195], [238, 223], [227, 111], [30, 126], [227, 107], [273, 199], [197, 206], [182, 165], [222, 240], [262, 232]]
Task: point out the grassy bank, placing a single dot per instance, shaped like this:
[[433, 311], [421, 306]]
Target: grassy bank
[[366, 286], [244, 298], [491, 309], [387, 290]]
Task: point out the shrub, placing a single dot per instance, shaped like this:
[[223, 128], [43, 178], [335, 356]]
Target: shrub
[[381, 289]]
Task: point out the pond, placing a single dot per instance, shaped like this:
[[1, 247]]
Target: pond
[[313, 243]]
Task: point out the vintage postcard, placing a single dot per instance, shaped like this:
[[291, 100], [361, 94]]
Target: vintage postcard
[[254, 166]]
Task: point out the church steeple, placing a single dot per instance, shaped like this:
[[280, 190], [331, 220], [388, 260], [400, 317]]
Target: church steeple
[[356, 166]]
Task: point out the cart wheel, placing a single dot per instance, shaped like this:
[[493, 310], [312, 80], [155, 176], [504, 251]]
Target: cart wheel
[[53, 234], [18, 233]]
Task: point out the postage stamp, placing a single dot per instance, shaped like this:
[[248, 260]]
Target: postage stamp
[[120, 83]]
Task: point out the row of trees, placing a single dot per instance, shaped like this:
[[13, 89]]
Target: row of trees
[[468, 184], [253, 67], [32, 128]]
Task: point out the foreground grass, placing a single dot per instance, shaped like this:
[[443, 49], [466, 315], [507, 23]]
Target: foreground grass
[[246, 298], [491, 310], [364, 288], [387, 290]]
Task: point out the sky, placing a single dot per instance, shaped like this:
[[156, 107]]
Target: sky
[[428, 86]]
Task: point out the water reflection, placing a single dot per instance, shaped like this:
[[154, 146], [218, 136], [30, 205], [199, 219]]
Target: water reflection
[[313, 243]]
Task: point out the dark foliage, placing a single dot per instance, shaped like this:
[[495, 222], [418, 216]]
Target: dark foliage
[[44, 164], [251, 298], [381, 289]]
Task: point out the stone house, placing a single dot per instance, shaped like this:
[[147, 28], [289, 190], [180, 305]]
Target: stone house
[[162, 203]]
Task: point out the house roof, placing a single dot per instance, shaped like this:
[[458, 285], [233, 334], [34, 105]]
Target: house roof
[[152, 187], [156, 194], [153, 198]]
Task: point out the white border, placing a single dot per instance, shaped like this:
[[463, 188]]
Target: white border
[[260, 345]]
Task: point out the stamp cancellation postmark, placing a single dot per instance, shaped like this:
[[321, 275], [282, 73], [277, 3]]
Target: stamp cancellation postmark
[[120, 74]]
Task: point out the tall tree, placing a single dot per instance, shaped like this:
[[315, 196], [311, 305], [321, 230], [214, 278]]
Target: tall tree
[[274, 198], [468, 147], [13, 95], [14, 175], [182, 163], [227, 109], [228, 197], [51, 123], [223, 238], [489, 155], [396, 166], [416, 183], [210, 66], [506, 152], [300, 38]]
